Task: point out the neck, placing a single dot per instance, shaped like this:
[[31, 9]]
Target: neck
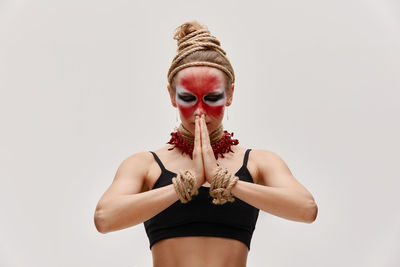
[[215, 135]]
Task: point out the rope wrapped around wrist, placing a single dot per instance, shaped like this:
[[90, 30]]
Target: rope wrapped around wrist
[[185, 185], [221, 185]]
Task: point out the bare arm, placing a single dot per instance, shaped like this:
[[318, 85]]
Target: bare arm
[[278, 192], [126, 203]]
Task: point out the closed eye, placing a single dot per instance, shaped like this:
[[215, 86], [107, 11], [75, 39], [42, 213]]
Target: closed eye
[[214, 98], [187, 98]]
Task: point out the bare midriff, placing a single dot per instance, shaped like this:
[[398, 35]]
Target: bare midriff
[[199, 251]]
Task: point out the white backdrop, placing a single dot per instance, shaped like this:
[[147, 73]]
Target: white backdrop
[[83, 86]]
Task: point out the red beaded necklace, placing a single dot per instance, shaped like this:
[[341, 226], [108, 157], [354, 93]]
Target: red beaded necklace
[[220, 146]]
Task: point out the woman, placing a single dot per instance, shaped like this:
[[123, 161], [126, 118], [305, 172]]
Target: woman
[[199, 196]]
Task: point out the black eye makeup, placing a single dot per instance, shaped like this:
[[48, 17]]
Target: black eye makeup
[[213, 97], [187, 97]]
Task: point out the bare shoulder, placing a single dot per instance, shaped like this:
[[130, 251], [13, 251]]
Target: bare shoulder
[[130, 176], [273, 171], [271, 168], [139, 157], [138, 163], [266, 157]]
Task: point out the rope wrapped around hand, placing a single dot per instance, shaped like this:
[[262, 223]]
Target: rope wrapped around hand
[[185, 185], [221, 185]]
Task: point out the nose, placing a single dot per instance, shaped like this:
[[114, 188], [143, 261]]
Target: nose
[[199, 109]]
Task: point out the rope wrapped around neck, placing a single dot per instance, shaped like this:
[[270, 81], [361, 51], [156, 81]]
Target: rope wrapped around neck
[[215, 135], [221, 141]]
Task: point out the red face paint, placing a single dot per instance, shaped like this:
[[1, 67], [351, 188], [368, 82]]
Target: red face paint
[[200, 85]]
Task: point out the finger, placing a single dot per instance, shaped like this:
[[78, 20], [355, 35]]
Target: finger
[[206, 148], [207, 151], [197, 136], [205, 138], [197, 157]]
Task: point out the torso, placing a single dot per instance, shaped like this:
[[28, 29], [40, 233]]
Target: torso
[[198, 250]]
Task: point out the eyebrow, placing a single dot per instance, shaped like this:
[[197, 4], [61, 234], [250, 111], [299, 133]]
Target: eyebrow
[[218, 92], [182, 91], [215, 93], [186, 93]]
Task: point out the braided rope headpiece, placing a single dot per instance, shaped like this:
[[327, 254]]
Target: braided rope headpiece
[[196, 41]]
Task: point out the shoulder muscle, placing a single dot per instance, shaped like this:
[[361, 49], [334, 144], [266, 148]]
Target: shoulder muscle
[[273, 171], [130, 175]]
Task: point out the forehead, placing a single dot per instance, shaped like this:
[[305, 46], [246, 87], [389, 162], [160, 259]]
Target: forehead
[[200, 79]]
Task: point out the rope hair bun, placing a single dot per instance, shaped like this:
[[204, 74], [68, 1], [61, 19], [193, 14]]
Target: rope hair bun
[[197, 47]]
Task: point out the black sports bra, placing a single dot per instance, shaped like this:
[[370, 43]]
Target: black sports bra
[[200, 217]]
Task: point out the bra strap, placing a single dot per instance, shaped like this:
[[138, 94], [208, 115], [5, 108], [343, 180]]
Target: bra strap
[[158, 161], [246, 157]]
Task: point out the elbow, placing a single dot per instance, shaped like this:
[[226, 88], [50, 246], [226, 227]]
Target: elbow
[[100, 222], [311, 212]]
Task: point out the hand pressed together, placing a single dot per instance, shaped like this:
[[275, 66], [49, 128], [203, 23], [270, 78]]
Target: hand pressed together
[[204, 160]]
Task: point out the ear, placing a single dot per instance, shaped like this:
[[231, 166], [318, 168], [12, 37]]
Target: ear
[[172, 95], [230, 96]]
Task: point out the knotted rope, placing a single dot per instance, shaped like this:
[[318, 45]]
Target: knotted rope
[[185, 185], [196, 41], [221, 185]]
